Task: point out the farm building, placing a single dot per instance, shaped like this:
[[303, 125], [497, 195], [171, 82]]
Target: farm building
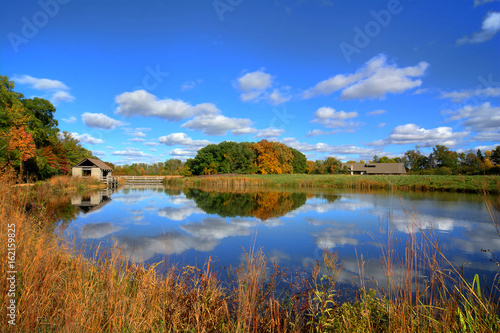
[[375, 168], [90, 167]]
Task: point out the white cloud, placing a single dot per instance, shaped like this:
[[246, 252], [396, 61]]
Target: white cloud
[[335, 83], [387, 79], [136, 140], [489, 28], [277, 97], [86, 138], [40, 84], [188, 85], [61, 96], [374, 80], [331, 118], [482, 2], [256, 86], [184, 152], [258, 80], [130, 151], [99, 153], [253, 87], [151, 143], [413, 134], [460, 96], [488, 136], [100, 120], [58, 89], [316, 132], [182, 139], [483, 119], [142, 103], [139, 134], [70, 120], [376, 112], [269, 133], [219, 125], [326, 148]]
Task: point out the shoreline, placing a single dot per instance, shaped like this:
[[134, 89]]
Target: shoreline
[[417, 183]]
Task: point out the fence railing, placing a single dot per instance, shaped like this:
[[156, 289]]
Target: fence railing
[[143, 179]]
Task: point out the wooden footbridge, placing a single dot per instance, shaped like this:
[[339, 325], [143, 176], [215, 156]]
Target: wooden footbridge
[[143, 180]]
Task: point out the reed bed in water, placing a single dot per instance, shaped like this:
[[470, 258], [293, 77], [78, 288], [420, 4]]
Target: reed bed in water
[[54, 290], [475, 184]]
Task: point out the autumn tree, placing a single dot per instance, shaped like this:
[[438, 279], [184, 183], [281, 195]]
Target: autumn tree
[[273, 157], [29, 137], [22, 145]]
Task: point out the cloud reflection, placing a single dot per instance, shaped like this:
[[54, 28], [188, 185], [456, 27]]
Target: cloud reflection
[[98, 230]]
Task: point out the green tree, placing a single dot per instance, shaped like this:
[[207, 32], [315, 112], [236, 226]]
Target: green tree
[[173, 165], [443, 157], [495, 155], [299, 162], [332, 165]]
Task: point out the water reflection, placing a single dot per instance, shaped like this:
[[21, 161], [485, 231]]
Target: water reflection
[[92, 202], [262, 205], [292, 228]]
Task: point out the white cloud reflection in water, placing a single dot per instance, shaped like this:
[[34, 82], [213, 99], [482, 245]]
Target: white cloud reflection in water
[[348, 222]]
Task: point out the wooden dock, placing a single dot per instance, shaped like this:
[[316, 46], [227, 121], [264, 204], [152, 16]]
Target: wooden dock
[[110, 181], [143, 180]]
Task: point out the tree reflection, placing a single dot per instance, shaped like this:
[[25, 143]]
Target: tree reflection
[[262, 205]]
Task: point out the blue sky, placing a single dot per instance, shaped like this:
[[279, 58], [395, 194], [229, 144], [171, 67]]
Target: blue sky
[[144, 81]]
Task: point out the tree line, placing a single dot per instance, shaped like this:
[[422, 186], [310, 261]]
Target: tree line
[[265, 157], [32, 145], [30, 142]]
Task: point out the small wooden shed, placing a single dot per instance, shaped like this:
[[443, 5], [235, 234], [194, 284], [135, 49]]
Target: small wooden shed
[[375, 168], [91, 167]]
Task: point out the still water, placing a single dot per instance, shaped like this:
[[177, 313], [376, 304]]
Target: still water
[[186, 226]]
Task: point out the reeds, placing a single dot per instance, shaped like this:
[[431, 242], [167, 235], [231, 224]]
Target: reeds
[[57, 291], [437, 183]]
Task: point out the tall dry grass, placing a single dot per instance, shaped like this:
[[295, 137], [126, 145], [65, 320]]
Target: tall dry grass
[[57, 291]]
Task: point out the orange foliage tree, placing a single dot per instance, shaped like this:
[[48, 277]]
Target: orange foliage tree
[[273, 157], [21, 143]]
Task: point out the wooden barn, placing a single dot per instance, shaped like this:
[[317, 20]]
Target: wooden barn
[[375, 168], [90, 167]]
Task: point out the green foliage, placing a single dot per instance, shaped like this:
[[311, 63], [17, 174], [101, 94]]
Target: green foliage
[[247, 158], [29, 138], [299, 162], [495, 155]]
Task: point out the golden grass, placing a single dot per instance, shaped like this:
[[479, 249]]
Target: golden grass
[[56, 291]]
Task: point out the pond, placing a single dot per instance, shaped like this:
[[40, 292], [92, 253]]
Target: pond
[[186, 226]]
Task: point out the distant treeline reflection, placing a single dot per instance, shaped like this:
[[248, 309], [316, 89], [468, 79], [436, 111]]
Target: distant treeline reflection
[[262, 205]]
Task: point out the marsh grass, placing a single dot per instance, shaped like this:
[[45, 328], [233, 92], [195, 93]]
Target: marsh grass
[[60, 291], [473, 184]]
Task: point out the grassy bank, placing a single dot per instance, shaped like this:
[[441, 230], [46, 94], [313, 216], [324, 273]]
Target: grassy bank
[[56, 291], [476, 184]]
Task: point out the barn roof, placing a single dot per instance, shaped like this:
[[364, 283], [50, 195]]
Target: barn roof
[[98, 163], [376, 168]]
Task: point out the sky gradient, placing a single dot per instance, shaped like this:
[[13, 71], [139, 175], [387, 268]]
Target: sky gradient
[[152, 80]]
